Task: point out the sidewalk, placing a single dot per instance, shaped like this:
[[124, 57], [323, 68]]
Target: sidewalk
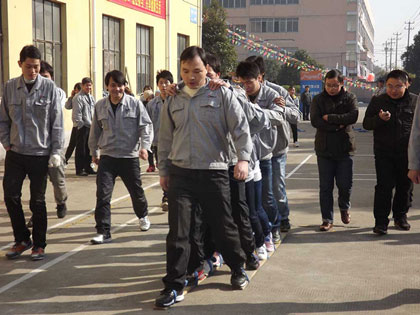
[[347, 271]]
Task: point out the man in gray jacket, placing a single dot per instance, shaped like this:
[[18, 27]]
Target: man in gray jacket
[[31, 131], [83, 107], [193, 162], [120, 129]]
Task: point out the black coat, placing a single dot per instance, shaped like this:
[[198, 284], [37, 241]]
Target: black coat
[[334, 138], [391, 137]]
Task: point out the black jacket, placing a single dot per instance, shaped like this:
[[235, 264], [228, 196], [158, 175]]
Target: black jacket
[[391, 137], [334, 138]]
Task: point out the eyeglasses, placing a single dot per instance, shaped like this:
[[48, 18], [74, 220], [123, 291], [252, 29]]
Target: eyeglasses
[[332, 86], [395, 87]]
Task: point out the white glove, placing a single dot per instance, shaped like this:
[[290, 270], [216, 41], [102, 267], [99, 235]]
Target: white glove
[[55, 160]]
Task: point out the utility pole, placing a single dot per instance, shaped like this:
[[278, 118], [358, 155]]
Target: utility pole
[[397, 38], [409, 28], [390, 54], [386, 56]]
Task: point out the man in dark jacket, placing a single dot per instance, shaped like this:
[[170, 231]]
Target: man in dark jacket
[[333, 112], [390, 116], [306, 99]]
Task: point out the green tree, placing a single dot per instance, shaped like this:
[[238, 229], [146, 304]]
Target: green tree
[[214, 36], [411, 60]]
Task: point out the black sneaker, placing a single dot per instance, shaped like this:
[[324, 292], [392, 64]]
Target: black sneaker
[[276, 235], [81, 173], [169, 297], [61, 211], [380, 229], [252, 262], [402, 224], [284, 226], [239, 279]]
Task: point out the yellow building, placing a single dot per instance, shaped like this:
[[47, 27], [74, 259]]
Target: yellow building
[[81, 38]]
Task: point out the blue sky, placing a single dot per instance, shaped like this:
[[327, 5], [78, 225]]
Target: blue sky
[[389, 17]]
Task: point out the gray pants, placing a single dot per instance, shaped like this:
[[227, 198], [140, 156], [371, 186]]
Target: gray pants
[[58, 180]]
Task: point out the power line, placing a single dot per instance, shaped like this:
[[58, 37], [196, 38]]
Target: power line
[[397, 38]]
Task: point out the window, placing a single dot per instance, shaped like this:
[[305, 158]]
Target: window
[[265, 2], [46, 32], [143, 57], [111, 51], [183, 42], [351, 52], [351, 23], [228, 4], [274, 25]]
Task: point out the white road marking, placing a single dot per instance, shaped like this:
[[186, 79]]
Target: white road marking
[[299, 166], [81, 215], [55, 261]]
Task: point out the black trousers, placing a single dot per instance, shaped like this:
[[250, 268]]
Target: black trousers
[[129, 171], [83, 158], [294, 131], [153, 155], [240, 212], [209, 189], [391, 172], [306, 111], [16, 167], [72, 144]]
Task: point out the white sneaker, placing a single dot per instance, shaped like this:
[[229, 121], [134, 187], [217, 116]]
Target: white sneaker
[[144, 223], [262, 253], [101, 239], [296, 144]]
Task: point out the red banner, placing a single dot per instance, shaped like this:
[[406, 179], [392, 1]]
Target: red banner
[[153, 7], [310, 75]]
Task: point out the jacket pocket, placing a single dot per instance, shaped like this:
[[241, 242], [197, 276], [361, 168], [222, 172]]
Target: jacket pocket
[[177, 113], [209, 110]]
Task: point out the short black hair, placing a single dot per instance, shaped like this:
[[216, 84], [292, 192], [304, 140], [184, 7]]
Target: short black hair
[[291, 87], [46, 67], [147, 87], [117, 76], [259, 61], [247, 70], [164, 74], [193, 51], [77, 86], [335, 74], [306, 86], [29, 51], [86, 80], [214, 62], [399, 75], [381, 80]]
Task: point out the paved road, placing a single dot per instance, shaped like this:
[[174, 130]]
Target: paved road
[[346, 271]]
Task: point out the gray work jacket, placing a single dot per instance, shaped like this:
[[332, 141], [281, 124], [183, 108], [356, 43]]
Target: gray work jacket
[[194, 130], [258, 119], [292, 115], [83, 107], [154, 108], [123, 134], [31, 123], [414, 142], [69, 105], [267, 137]]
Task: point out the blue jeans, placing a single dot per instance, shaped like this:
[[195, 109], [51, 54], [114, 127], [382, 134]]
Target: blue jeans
[[268, 201], [342, 171], [279, 185]]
